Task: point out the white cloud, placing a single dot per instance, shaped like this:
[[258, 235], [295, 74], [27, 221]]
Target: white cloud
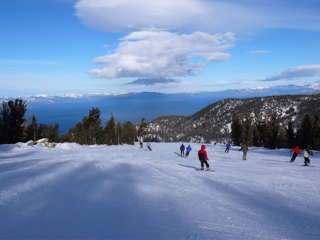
[[129, 15], [150, 50], [295, 72], [259, 52], [163, 54], [198, 15]]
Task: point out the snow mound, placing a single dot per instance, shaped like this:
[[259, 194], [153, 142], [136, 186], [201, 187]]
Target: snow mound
[[7, 147], [68, 146]]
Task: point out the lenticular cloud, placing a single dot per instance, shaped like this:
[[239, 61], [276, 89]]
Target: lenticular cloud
[[163, 54], [129, 16], [241, 16]]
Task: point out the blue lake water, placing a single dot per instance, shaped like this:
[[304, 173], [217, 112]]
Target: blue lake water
[[131, 109]]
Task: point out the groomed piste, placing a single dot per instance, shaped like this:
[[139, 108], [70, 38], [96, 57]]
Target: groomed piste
[[126, 192]]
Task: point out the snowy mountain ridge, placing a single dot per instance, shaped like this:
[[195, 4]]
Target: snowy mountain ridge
[[214, 121], [240, 93], [73, 97]]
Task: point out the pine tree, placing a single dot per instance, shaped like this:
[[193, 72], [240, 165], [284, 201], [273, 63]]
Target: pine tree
[[236, 130], [32, 132], [247, 132], [13, 120], [128, 133], [261, 131], [50, 131], [119, 133], [271, 132], [316, 132], [282, 138], [142, 129], [110, 132], [92, 126], [306, 132], [290, 136]]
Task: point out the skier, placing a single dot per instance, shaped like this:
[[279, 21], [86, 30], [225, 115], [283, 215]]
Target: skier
[[149, 146], [295, 151], [306, 153], [141, 144], [189, 149], [227, 148], [182, 147], [244, 149], [203, 157]]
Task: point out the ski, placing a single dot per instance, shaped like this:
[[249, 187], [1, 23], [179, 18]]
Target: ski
[[199, 169], [307, 166]]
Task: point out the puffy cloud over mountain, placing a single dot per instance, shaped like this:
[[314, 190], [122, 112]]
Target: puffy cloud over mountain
[[163, 54]]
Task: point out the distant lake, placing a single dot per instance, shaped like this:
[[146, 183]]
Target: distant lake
[[132, 109]]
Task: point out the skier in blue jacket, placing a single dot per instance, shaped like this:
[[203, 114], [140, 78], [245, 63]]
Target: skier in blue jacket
[[227, 148], [189, 149]]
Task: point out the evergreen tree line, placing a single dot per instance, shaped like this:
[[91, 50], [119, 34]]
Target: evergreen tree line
[[90, 131], [270, 133], [15, 127]]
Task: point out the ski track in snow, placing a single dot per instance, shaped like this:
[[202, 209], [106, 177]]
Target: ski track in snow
[[127, 192]]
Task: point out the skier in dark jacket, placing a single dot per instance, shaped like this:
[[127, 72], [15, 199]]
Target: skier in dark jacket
[[182, 147], [244, 149], [203, 157], [295, 151], [306, 153]]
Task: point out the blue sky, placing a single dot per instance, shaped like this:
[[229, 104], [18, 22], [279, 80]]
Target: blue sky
[[59, 47]]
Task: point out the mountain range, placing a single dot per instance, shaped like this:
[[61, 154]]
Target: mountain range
[[292, 89]]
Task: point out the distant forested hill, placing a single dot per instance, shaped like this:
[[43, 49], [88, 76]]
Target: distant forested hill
[[214, 121]]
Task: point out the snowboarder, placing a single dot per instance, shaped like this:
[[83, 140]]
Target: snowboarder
[[227, 148], [182, 147], [149, 146], [306, 153], [189, 149], [244, 149], [295, 151], [203, 157], [141, 144]]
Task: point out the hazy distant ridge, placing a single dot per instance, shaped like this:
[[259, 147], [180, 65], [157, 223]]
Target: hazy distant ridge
[[241, 93]]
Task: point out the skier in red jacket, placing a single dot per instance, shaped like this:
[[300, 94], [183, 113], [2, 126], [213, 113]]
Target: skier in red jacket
[[203, 157], [295, 151]]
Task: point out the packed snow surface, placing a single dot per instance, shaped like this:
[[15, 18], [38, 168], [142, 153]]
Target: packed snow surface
[[127, 192]]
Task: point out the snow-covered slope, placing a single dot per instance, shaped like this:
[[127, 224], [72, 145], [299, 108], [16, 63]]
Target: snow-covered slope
[[124, 192]]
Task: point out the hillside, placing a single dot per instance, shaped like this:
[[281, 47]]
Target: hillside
[[125, 192], [214, 121]]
